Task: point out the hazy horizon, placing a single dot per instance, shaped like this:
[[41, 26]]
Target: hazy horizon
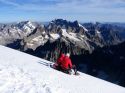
[[59, 18]]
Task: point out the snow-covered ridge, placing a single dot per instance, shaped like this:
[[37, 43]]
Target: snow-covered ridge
[[23, 73], [26, 26], [14, 31], [37, 41], [83, 27], [54, 36], [70, 35]]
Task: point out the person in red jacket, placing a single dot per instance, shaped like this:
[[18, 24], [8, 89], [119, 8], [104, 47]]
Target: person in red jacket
[[60, 59], [66, 65], [57, 65]]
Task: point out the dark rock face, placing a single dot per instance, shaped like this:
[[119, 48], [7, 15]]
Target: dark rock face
[[50, 51], [105, 34], [64, 24], [109, 59]]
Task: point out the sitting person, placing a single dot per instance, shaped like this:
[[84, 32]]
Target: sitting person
[[66, 65], [57, 65]]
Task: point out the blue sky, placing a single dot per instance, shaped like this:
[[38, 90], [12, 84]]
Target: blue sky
[[47, 10]]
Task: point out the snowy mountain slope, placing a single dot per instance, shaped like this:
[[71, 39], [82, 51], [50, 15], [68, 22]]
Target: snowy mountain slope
[[23, 73], [26, 26], [10, 33], [83, 27], [65, 34]]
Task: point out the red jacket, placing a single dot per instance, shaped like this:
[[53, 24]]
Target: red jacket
[[60, 59], [66, 63]]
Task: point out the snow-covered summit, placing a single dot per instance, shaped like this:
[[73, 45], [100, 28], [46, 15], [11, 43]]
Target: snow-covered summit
[[26, 26], [83, 27], [23, 73]]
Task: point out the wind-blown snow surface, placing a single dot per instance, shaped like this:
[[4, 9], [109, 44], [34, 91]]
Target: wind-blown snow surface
[[23, 73]]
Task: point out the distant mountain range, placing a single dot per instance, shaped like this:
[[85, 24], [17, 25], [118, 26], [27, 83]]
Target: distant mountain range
[[63, 35]]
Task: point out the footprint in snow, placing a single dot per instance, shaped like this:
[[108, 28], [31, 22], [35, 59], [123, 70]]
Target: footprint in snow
[[48, 90]]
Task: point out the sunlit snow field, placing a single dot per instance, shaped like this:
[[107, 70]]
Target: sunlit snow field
[[23, 73]]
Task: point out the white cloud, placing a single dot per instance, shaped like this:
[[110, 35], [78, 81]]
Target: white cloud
[[65, 4], [8, 2]]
